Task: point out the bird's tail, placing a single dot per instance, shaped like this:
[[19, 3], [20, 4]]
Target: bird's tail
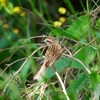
[[40, 73]]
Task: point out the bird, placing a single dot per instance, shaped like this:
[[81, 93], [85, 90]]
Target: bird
[[52, 54]]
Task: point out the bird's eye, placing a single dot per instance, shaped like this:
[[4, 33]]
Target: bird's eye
[[50, 42]]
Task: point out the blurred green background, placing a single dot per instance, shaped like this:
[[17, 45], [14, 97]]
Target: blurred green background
[[23, 26]]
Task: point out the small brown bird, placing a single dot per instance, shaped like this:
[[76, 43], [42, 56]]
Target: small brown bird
[[53, 52]]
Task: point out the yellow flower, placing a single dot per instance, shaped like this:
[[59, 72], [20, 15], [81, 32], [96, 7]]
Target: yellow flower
[[3, 4], [16, 9], [57, 23], [16, 31], [62, 19], [2, 0], [62, 10], [5, 26], [22, 14]]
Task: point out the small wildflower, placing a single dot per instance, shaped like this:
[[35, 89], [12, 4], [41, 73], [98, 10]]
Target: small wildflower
[[57, 23], [62, 19], [22, 14], [16, 31], [3, 4], [62, 10], [16, 9], [6, 26]]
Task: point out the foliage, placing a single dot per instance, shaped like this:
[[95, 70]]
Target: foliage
[[24, 25]]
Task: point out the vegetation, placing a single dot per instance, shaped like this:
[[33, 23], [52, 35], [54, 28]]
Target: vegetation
[[23, 26]]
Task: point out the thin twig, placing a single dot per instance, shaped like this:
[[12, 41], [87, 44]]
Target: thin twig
[[66, 75], [43, 36], [16, 61], [86, 46], [4, 60], [89, 72], [12, 54], [28, 58], [11, 77], [4, 70], [43, 87], [19, 47], [34, 92], [61, 82]]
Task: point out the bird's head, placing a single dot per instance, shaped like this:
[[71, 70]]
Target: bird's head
[[50, 40]]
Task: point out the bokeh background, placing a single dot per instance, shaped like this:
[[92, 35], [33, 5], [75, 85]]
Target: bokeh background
[[23, 26]]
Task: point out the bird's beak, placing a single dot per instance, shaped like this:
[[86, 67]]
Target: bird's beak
[[45, 42]]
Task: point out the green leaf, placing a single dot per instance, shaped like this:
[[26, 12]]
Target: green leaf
[[98, 23], [86, 55], [1, 81], [58, 32], [96, 33], [14, 91], [76, 30], [95, 85], [94, 77], [6, 40], [76, 86], [25, 69], [9, 8]]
